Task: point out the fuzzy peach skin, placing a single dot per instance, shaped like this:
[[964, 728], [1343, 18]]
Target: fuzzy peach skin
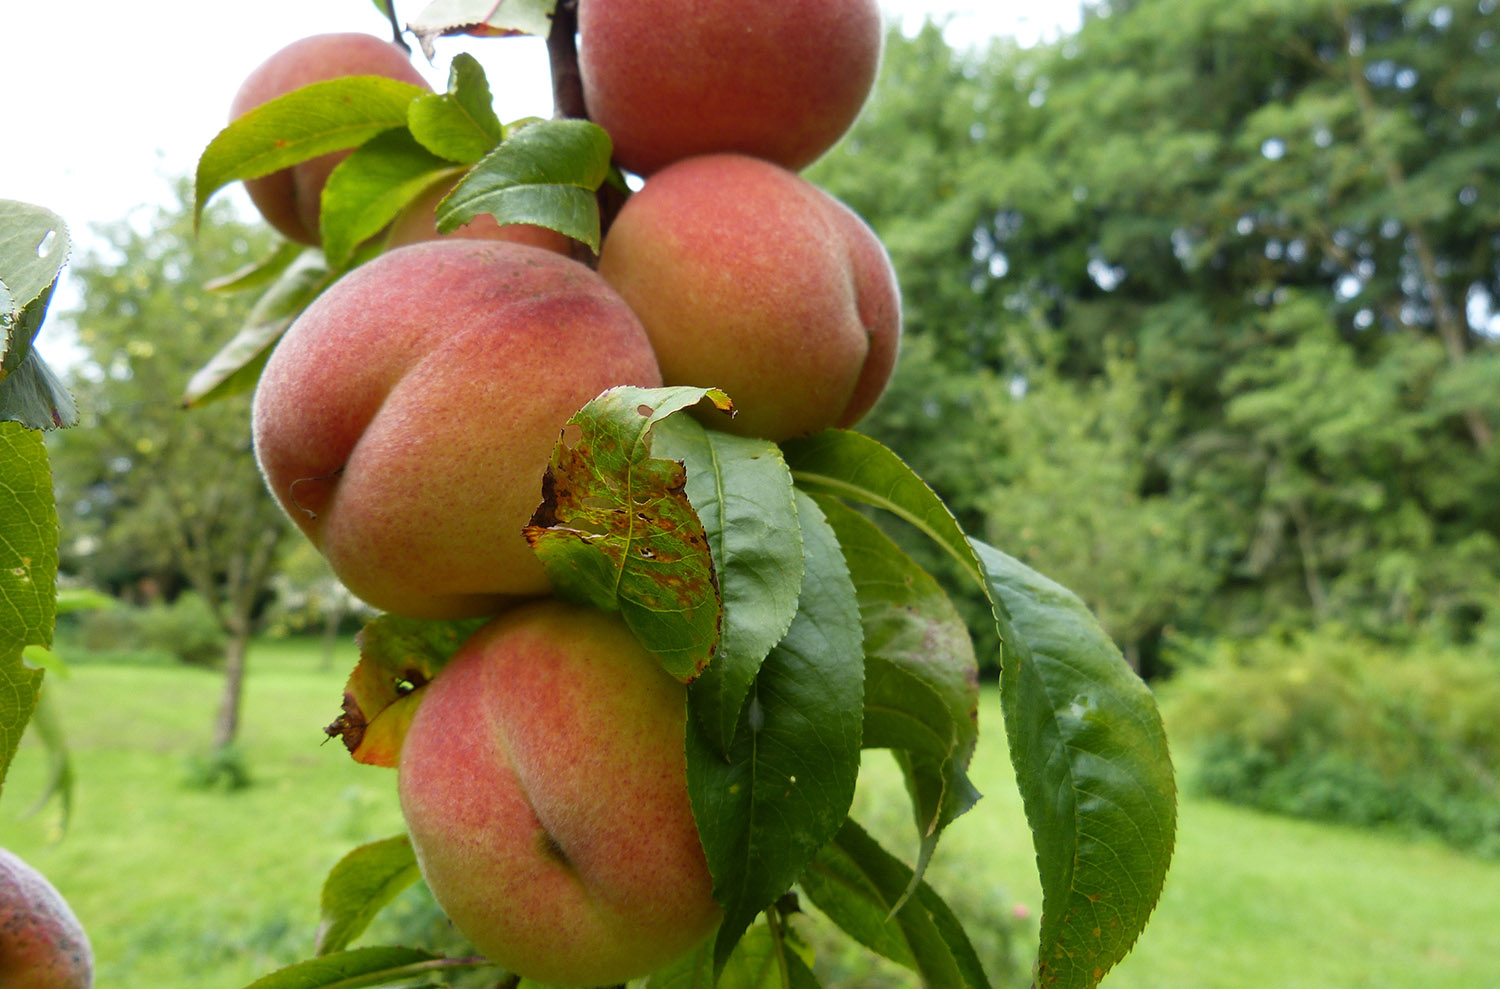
[[42, 945], [291, 199], [406, 418], [674, 78], [418, 222], [544, 786], [749, 278]]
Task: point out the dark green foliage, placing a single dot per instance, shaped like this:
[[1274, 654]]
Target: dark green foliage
[[1337, 727], [1200, 306]]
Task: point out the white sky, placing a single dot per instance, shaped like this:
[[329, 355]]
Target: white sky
[[104, 100]]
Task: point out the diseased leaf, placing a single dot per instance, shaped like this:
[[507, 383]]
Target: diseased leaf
[[481, 19], [397, 658], [857, 883], [1095, 775], [788, 781], [459, 125], [363, 967], [359, 886], [318, 118], [616, 530], [368, 189], [742, 491], [545, 173], [921, 677], [237, 366], [28, 577]]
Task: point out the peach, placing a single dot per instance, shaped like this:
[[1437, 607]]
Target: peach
[[749, 278], [673, 78], [291, 199], [406, 418], [544, 786], [42, 945], [418, 222]]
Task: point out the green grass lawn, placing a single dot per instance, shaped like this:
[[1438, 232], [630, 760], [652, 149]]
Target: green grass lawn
[[197, 890]]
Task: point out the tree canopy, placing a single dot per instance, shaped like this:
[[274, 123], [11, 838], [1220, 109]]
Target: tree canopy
[[1269, 230]]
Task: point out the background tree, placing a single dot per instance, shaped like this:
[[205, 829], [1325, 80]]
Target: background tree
[[150, 494], [1280, 218]]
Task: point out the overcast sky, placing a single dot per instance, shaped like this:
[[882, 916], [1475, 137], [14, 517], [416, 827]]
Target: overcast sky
[[105, 100]]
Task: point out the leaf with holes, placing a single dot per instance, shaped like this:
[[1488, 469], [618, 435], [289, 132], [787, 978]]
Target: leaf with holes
[[616, 530], [397, 658]]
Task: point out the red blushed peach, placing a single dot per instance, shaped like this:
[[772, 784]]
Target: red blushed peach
[[42, 945], [673, 78], [291, 199], [544, 786], [749, 278], [406, 418]]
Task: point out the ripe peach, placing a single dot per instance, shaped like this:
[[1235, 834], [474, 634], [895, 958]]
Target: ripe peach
[[42, 945], [674, 78], [418, 222], [544, 786], [406, 418], [291, 199], [749, 278]]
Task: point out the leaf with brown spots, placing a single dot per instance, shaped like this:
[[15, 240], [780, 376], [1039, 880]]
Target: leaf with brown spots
[[397, 658], [615, 529]]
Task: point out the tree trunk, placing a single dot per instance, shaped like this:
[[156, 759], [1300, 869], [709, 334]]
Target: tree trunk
[[227, 728]]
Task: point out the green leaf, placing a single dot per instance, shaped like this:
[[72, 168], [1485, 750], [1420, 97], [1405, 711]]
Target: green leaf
[[481, 18], [545, 174], [363, 967], [850, 465], [786, 786], [35, 397], [459, 125], [857, 883], [325, 116], [921, 677], [616, 530], [397, 658], [368, 189], [261, 273], [237, 366], [742, 492], [28, 577], [359, 886], [1095, 775], [34, 247]]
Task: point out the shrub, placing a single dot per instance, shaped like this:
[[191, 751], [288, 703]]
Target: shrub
[[183, 631], [1331, 726]]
